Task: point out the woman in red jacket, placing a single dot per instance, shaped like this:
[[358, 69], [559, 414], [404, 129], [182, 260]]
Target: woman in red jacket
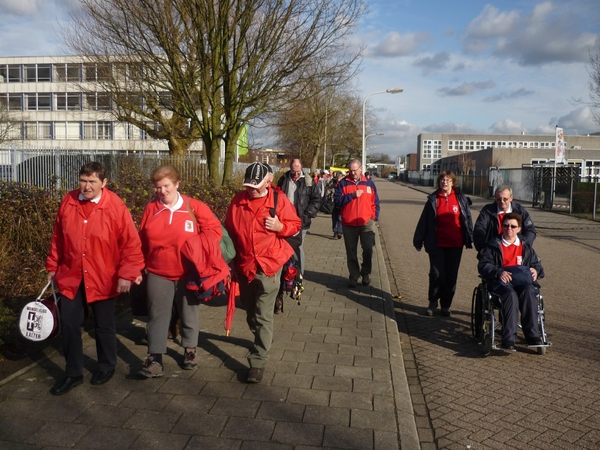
[[168, 222]]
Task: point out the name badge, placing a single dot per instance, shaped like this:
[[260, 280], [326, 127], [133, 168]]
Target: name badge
[[519, 260], [189, 226], [368, 189]]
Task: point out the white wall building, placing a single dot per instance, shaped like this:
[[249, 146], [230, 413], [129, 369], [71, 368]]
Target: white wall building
[[525, 149], [53, 99]]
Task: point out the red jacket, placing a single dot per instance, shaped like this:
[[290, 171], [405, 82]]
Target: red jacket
[[206, 257], [163, 234], [254, 244], [356, 211], [99, 249]]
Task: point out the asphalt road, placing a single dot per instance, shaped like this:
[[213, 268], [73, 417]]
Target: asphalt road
[[505, 400]]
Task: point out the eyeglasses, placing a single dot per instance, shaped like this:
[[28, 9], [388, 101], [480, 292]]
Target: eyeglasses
[[508, 225], [506, 200]]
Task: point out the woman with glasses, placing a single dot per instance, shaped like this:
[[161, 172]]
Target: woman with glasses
[[444, 228], [511, 267]]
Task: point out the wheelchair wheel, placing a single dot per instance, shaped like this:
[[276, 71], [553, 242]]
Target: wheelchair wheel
[[477, 314], [541, 350]]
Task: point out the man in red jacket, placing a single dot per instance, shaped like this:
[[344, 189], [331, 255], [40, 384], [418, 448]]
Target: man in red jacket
[[357, 198], [258, 227], [95, 254]]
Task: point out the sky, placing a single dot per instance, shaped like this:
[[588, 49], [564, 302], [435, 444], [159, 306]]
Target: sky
[[466, 66]]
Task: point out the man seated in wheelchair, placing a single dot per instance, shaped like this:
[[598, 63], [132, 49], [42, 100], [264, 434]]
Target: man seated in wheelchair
[[511, 268]]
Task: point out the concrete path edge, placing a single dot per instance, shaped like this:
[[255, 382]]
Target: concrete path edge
[[405, 416]]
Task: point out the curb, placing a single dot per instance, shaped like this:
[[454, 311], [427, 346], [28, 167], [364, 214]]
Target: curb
[[405, 415]]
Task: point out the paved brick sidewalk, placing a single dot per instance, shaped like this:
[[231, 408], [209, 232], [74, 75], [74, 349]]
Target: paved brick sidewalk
[[336, 379]]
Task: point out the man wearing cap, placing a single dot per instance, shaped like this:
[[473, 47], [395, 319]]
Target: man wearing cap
[[359, 205], [258, 227], [300, 190]]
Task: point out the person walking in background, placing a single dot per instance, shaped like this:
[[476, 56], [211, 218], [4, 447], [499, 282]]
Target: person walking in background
[[489, 223], [258, 229], [336, 215], [444, 228], [168, 222], [300, 190], [359, 206], [95, 254]]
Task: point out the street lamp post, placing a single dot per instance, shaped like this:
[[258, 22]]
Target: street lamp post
[[364, 121], [366, 139]]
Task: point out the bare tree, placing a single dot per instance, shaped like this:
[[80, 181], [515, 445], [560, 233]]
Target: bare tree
[[594, 86], [9, 124], [324, 116], [465, 163], [202, 69]]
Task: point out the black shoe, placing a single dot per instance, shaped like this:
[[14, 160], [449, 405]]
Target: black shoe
[[339, 235], [352, 282], [366, 280], [102, 377], [508, 346], [66, 384], [534, 342], [255, 375]]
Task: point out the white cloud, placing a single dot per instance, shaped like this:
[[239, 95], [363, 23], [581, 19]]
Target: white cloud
[[466, 88], [433, 63], [396, 44], [21, 7], [578, 121], [546, 35], [507, 126]]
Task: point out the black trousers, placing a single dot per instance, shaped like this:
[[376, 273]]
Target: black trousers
[[514, 299], [443, 273], [72, 315]]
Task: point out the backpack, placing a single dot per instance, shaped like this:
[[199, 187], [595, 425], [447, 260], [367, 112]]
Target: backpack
[[226, 244]]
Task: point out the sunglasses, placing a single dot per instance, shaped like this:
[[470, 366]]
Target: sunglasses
[[507, 225]]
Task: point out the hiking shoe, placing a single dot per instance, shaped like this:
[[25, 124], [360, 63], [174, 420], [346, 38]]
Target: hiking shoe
[[534, 342], [446, 312], [366, 280], [151, 368], [278, 304], [431, 308], [255, 375], [190, 360], [508, 346]]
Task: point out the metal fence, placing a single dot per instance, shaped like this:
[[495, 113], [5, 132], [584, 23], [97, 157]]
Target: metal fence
[[59, 168], [563, 189]]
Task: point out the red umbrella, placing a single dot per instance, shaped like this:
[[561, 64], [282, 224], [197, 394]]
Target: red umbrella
[[234, 290]]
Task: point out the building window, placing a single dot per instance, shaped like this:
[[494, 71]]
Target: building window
[[67, 72], [38, 130], [38, 102], [435, 169], [10, 73], [11, 102], [437, 149], [70, 101], [427, 149], [96, 130], [98, 102], [37, 73]]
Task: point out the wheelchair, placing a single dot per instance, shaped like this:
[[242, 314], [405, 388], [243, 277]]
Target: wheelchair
[[485, 318]]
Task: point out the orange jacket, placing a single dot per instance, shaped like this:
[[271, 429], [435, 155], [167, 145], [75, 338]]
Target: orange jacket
[[254, 244], [99, 249]]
